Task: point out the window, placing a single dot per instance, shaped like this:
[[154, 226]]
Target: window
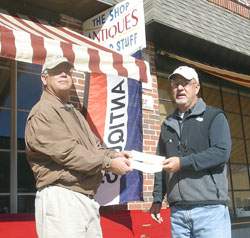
[[20, 89], [166, 104], [235, 102]]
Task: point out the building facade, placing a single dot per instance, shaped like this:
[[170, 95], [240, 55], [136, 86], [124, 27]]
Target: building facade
[[211, 36]]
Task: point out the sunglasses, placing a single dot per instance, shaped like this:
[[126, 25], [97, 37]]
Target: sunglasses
[[54, 72]]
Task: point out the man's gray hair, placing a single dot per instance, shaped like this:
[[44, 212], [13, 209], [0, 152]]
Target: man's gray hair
[[45, 72]]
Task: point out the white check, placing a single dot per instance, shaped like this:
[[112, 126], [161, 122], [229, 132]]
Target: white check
[[146, 163]]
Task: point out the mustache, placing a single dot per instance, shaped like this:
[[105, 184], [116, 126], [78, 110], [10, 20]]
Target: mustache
[[181, 93]]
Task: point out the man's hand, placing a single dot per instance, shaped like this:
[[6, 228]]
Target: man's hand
[[155, 212], [120, 165], [172, 164], [124, 153]]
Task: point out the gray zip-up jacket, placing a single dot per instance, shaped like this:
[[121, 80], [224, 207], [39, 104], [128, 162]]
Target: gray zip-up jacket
[[202, 141]]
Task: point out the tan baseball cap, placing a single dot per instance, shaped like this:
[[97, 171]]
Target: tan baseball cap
[[52, 62]]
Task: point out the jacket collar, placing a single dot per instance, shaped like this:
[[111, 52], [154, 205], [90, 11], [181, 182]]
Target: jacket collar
[[196, 110], [52, 100], [172, 120]]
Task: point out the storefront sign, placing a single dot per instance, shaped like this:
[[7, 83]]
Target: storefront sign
[[121, 28]]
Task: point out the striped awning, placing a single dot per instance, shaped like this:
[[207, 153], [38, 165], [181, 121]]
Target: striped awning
[[234, 77], [32, 40]]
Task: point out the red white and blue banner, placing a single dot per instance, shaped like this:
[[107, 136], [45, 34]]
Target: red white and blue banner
[[114, 112], [114, 103]]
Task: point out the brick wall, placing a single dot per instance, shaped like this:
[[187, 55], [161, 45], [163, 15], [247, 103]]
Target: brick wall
[[71, 23], [233, 6], [151, 132], [77, 92], [151, 119]]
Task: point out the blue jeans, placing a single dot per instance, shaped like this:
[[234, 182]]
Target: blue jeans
[[211, 221]]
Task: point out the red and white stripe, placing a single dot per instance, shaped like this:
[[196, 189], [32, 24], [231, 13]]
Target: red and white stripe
[[234, 77], [31, 40]]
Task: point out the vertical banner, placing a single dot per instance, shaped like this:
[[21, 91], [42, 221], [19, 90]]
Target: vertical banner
[[121, 28], [114, 107], [114, 112]]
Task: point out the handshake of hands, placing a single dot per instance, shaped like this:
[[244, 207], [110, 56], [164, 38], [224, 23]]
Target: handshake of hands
[[120, 165], [125, 161]]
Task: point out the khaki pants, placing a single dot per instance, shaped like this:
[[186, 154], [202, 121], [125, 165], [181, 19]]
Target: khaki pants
[[62, 213]]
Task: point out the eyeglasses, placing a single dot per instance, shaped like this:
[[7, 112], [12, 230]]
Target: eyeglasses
[[184, 84], [55, 72]]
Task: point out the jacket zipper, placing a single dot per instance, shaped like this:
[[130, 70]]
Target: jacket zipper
[[180, 122], [217, 189]]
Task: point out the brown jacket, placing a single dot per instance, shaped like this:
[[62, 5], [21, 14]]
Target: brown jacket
[[61, 148]]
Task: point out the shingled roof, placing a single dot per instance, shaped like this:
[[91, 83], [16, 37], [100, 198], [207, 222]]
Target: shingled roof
[[202, 19]]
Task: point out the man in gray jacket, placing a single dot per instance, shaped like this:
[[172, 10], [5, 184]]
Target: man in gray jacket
[[67, 160], [196, 142]]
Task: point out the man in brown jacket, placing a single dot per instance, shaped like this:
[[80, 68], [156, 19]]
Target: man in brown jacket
[[67, 159]]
